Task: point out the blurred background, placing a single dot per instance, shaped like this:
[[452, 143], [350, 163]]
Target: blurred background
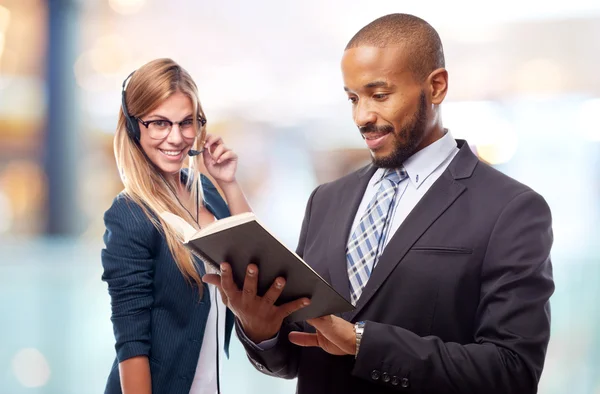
[[524, 91]]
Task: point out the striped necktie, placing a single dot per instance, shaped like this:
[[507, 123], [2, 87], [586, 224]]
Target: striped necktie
[[366, 243]]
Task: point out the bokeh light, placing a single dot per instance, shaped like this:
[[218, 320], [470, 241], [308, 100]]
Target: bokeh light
[[126, 7], [6, 215], [588, 119], [31, 368], [485, 126]]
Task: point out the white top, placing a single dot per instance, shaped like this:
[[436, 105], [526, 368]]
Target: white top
[[423, 169], [205, 378]]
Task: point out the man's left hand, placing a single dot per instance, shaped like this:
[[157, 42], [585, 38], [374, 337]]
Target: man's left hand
[[334, 335]]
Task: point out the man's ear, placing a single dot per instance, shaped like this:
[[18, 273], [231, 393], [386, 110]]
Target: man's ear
[[438, 85]]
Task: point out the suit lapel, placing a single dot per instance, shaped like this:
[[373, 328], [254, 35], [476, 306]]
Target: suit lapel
[[432, 205], [351, 195]]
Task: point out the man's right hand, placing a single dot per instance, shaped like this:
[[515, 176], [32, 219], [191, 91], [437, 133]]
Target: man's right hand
[[260, 318]]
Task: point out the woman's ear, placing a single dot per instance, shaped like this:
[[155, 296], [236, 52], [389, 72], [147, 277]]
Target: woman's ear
[[201, 140]]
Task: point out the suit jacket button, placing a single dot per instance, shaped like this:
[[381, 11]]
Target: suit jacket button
[[385, 377], [395, 380], [375, 374], [404, 382]]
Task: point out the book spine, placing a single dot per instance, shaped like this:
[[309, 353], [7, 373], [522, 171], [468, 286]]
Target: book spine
[[203, 257]]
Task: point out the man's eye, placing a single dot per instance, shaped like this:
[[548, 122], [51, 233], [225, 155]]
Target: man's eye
[[380, 96], [352, 100]]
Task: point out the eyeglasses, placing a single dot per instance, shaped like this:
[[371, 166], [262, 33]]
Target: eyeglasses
[[159, 129]]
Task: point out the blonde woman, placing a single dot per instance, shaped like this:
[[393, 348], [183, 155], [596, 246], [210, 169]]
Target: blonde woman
[[171, 330]]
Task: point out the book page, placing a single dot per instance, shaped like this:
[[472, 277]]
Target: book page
[[225, 223], [185, 230]]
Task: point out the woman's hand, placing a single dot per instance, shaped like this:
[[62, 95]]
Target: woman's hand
[[220, 161], [221, 164]]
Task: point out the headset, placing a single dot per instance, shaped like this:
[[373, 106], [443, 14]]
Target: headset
[[131, 123], [133, 127]]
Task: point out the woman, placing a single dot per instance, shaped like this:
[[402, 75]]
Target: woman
[[171, 329]]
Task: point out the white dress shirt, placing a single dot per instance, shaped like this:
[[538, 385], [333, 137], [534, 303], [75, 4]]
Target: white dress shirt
[[205, 378], [423, 169]]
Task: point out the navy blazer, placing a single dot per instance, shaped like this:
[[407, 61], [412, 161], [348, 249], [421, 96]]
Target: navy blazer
[[155, 312]]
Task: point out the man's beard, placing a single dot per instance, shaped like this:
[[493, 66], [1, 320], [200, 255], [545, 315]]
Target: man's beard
[[406, 141]]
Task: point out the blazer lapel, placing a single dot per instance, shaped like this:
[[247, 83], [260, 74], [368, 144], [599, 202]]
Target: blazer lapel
[[433, 204], [351, 195]]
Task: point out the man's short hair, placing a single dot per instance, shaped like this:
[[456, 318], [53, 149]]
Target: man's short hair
[[423, 45]]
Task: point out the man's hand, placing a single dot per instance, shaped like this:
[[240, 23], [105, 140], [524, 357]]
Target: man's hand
[[259, 317], [334, 335]]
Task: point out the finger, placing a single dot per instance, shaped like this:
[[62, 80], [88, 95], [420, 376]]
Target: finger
[[227, 284], [336, 330], [207, 158], [206, 139], [212, 279], [227, 156], [250, 283], [212, 142], [219, 150], [292, 306], [210, 139], [303, 339], [274, 291], [321, 323], [329, 325]]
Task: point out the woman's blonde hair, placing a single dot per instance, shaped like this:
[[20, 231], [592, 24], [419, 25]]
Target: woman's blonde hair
[[148, 87]]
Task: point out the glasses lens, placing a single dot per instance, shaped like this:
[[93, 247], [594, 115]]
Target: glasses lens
[[158, 129], [188, 129]]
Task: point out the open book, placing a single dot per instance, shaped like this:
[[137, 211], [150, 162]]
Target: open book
[[240, 240]]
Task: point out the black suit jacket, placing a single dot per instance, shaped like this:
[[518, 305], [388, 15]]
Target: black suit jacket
[[458, 302], [155, 312]]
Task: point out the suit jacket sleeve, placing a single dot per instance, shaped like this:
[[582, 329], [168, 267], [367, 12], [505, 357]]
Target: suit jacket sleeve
[[128, 270], [513, 318], [281, 360]]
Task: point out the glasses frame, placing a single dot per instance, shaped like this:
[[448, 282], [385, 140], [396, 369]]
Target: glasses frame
[[147, 123]]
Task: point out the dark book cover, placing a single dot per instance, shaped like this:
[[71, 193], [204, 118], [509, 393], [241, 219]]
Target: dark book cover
[[247, 241]]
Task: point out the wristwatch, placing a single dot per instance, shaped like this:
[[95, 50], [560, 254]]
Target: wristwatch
[[359, 328]]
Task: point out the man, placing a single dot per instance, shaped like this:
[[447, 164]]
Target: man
[[446, 259]]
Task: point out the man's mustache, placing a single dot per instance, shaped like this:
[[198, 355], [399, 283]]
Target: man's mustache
[[372, 128]]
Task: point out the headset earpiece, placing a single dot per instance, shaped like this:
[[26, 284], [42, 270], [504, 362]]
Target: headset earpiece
[[131, 123]]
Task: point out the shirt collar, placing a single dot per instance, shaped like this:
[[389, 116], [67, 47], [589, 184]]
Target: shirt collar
[[423, 163]]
